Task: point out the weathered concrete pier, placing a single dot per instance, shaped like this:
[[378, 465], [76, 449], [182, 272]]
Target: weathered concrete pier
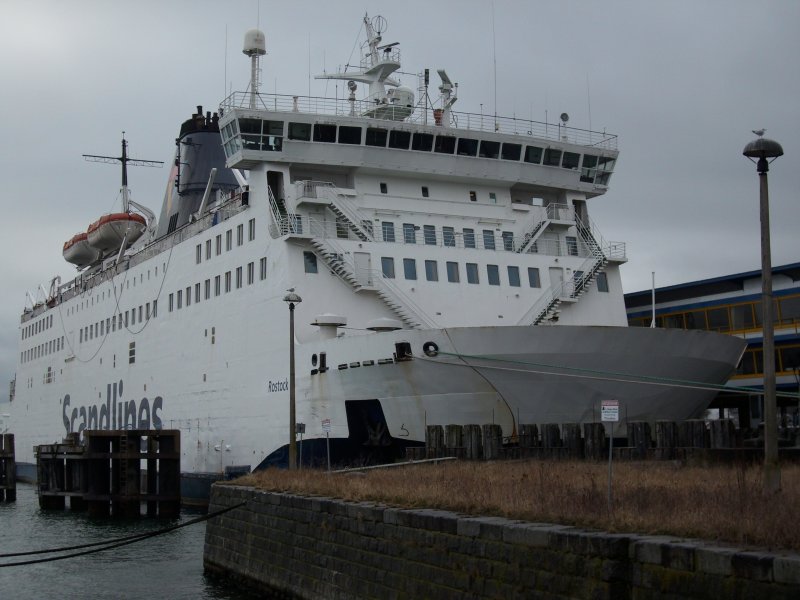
[[105, 474], [8, 468]]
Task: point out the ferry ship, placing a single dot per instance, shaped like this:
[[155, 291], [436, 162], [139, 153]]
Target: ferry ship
[[441, 268]]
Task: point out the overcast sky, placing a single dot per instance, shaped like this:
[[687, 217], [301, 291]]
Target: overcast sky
[[682, 83]]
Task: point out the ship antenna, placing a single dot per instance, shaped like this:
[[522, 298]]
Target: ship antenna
[[255, 46], [125, 161]]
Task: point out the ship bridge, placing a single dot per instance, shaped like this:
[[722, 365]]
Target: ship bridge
[[527, 154]]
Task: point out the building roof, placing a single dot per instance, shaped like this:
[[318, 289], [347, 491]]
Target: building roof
[[707, 287]]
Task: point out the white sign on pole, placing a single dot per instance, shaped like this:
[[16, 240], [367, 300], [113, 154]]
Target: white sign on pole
[[609, 411], [326, 425]]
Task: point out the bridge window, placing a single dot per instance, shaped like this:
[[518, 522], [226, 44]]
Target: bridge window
[[570, 160], [552, 157], [324, 133], [489, 149], [511, 152], [300, 131], [467, 147], [349, 135], [399, 139], [422, 142], [533, 154], [376, 137], [445, 144], [589, 168]]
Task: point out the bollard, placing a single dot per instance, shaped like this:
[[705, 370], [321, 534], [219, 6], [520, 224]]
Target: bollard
[[572, 440], [639, 438], [434, 441], [473, 442], [594, 438], [492, 441], [454, 440]]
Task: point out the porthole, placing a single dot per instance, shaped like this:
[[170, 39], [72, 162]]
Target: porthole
[[430, 348]]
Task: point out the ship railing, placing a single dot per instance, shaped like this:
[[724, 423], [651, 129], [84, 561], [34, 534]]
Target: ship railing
[[334, 197], [422, 116]]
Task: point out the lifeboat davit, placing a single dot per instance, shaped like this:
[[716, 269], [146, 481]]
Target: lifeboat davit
[[108, 232], [78, 251]]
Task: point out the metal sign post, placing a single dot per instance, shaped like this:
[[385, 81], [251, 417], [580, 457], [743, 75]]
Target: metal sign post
[[301, 429], [609, 413], [326, 427]]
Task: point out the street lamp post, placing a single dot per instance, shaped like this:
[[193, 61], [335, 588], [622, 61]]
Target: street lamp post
[[764, 149], [292, 299]]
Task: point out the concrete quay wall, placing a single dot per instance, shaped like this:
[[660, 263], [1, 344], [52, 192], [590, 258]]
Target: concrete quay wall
[[309, 547]]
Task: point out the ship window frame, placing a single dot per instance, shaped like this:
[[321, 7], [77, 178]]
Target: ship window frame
[[534, 277], [425, 191], [409, 233], [489, 242], [197, 292], [533, 155], [570, 160], [217, 285], [387, 267], [227, 282], [310, 262], [602, 282], [228, 240], [467, 146], [489, 149], [207, 289], [387, 231], [410, 269], [473, 276], [511, 151], [445, 144], [349, 134], [399, 139], [431, 270], [589, 167], [251, 272], [300, 132], [422, 142], [218, 244], [384, 187], [178, 300], [469, 237], [449, 236], [508, 240], [199, 254], [208, 249], [324, 132], [552, 157], [238, 282], [429, 235], [170, 304], [188, 300], [251, 230], [263, 268], [376, 137], [240, 234], [493, 274], [513, 276]]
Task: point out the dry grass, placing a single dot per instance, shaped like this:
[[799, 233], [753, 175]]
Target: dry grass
[[720, 503]]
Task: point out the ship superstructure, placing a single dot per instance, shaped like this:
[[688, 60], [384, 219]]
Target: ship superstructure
[[448, 269]]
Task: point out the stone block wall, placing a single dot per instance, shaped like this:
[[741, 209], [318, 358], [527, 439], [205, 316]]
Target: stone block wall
[[305, 547]]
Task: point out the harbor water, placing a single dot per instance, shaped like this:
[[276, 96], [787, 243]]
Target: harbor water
[[164, 566]]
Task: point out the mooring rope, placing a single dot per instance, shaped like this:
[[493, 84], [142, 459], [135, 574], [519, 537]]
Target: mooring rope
[[109, 544]]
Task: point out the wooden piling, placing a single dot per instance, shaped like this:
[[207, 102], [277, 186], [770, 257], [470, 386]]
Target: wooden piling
[[551, 440], [454, 441], [434, 441], [723, 434], [473, 442], [693, 434], [666, 440], [639, 439], [492, 441], [528, 437], [594, 441], [572, 440], [8, 468]]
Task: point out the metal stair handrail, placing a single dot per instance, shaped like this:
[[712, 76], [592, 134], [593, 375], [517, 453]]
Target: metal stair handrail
[[327, 191]]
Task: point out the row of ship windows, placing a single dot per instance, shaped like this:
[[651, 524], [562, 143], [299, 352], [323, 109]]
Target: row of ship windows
[[251, 235], [449, 236], [221, 283], [267, 136], [97, 297], [725, 318], [119, 322], [453, 272], [42, 350], [41, 325]]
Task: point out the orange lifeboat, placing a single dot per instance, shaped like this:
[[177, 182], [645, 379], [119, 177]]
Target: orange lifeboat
[[108, 232], [78, 251]]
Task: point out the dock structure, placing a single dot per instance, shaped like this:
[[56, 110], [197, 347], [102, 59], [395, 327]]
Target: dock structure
[[112, 473], [8, 468], [716, 440]]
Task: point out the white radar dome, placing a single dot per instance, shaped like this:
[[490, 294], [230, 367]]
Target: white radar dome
[[403, 96], [255, 43]]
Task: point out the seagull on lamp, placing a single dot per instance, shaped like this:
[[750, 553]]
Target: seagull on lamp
[[759, 132]]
